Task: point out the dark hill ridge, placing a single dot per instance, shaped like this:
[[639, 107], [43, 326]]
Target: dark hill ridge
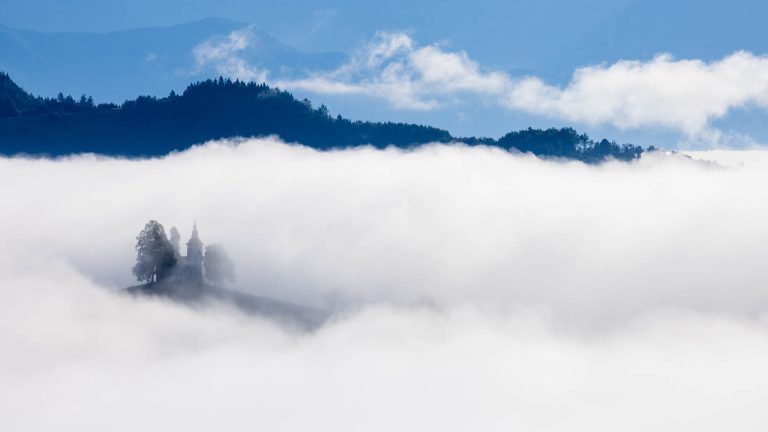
[[201, 294], [215, 109], [13, 99]]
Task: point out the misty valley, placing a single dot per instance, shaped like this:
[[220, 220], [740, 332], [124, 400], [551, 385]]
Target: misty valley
[[372, 216]]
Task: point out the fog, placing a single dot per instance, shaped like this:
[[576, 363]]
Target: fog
[[471, 289]]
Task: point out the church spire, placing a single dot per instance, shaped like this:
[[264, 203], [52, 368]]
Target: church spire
[[194, 231], [194, 259], [195, 238]]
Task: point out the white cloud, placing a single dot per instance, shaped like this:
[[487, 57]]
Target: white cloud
[[685, 95], [486, 290], [365, 224], [393, 68], [682, 95], [224, 55]]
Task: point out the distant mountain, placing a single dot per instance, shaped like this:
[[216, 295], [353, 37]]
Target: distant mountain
[[215, 109], [116, 66], [200, 294], [639, 29]]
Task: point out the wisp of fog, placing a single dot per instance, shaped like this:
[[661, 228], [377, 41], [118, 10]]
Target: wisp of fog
[[471, 289]]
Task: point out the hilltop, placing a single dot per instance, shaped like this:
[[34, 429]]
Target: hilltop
[[221, 108], [202, 294]]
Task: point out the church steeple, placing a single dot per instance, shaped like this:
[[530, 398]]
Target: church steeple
[[194, 258], [195, 239]]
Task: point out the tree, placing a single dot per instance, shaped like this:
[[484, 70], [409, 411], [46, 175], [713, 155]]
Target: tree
[[175, 240], [155, 258], [218, 267], [323, 111]]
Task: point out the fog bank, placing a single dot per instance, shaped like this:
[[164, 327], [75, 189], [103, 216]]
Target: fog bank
[[473, 289]]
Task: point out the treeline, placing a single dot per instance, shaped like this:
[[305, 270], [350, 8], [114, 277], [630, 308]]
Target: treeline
[[222, 108], [15, 102]]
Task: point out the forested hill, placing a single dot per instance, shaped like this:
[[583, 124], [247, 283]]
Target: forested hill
[[212, 109]]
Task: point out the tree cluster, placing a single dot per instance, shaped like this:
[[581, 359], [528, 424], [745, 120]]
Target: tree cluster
[[567, 143], [157, 256], [15, 102]]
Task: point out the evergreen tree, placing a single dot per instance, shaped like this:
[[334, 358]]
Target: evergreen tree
[[155, 258]]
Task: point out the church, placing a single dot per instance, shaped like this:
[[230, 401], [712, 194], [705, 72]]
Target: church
[[189, 268]]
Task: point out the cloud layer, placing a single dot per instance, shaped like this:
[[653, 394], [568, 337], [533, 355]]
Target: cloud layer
[[474, 289], [369, 225], [683, 95]]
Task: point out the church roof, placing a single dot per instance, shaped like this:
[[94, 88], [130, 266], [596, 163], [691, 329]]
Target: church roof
[[195, 239]]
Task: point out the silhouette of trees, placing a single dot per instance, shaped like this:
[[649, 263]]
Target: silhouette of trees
[[217, 265], [14, 101], [155, 258], [567, 143], [222, 108]]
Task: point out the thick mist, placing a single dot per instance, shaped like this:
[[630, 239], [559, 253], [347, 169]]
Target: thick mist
[[472, 289], [441, 224]]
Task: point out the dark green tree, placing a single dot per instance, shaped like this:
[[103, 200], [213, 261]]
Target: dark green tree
[[154, 253]]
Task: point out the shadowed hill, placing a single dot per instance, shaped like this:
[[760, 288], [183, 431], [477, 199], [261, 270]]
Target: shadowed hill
[[200, 294], [215, 109], [13, 99]]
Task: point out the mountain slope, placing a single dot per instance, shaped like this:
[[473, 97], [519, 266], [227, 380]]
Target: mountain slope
[[301, 317], [13, 99]]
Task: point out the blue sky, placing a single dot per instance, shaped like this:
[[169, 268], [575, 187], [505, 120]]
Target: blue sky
[[548, 40], [492, 30]]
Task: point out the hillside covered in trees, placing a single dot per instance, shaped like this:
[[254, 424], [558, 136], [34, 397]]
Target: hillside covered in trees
[[221, 108]]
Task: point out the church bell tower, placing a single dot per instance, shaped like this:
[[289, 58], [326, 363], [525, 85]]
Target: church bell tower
[[194, 260]]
